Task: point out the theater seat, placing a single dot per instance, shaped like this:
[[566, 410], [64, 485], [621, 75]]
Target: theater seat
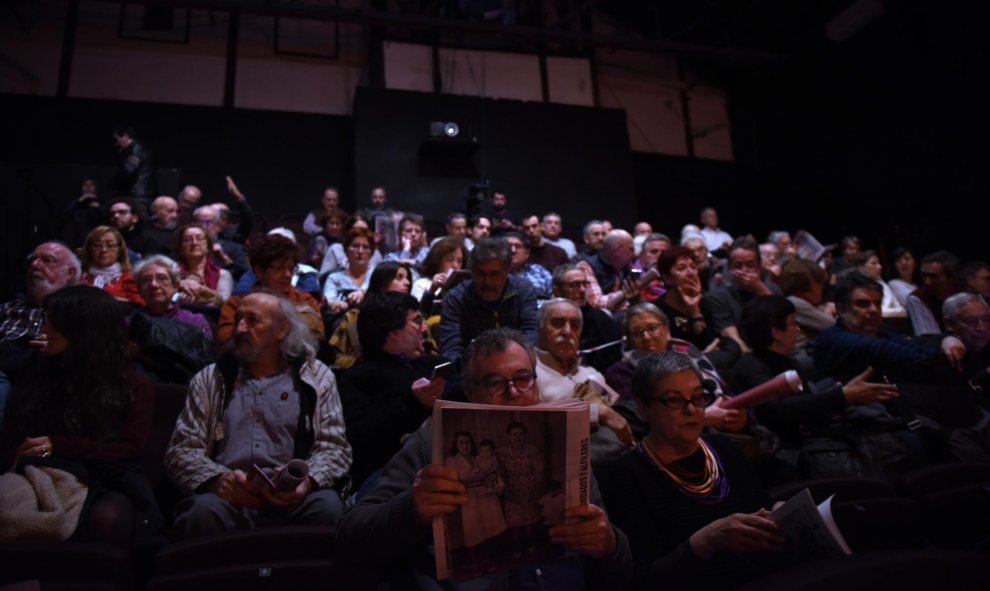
[[293, 553], [903, 570], [66, 565]]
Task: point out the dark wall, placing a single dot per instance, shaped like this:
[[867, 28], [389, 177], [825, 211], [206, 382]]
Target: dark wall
[[575, 160], [281, 161]]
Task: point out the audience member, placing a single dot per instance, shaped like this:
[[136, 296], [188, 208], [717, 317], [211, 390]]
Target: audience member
[[503, 219], [715, 237], [867, 262], [389, 392], [202, 281], [904, 279], [228, 254], [158, 283], [161, 229], [393, 521], [479, 227], [541, 252], [413, 235], [490, 299], [974, 277], [552, 230], [601, 338], [535, 275], [189, 198], [940, 277], [329, 202], [331, 232], [594, 238], [136, 176], [344, 289], [683, 303], [269, 382], [105, 264], [80, 215], [745, 282]]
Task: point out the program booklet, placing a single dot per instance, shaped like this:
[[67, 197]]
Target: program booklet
[[810, 529], [522, 467]]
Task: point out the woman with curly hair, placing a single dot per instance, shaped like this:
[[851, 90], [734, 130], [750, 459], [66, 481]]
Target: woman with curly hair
[[84, 408], [105, 264], [344, 289], [273, 260]]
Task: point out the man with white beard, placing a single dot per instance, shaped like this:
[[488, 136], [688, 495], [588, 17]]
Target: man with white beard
[[50, 267]]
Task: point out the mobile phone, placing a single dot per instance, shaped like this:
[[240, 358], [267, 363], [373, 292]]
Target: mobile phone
[[441, 371]]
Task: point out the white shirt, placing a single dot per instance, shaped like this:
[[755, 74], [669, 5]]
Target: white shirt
[[714, 239]]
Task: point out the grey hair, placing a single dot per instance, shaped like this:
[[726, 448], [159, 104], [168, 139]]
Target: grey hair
[[691, 236], [587, 226], [954, 303], [656, 366], [551, 214], [775, 235], [544, 311], [563, 269], [641, 309], [300, 342], [492, 341], [159, 260], [491, 249], [655, 236]]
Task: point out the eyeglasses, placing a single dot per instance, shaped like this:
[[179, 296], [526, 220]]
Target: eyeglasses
[[497, 386], [193, 239], [106, 245], [575, 284], [681, 403], [976, 321], [47, 260], [651, 330], [359, 247]]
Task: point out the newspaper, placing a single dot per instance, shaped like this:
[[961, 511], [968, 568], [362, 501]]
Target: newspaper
[[810, 530], [522, 466]]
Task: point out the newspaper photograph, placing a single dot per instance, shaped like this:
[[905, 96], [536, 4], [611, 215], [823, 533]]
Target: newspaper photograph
[[522, 466]]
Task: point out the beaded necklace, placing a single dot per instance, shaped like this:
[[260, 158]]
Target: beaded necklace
[[707, 487]]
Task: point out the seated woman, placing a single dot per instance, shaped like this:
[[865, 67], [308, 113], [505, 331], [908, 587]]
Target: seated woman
[[694, 511], [85, 407], [345, 288], [202, 280], [445, 257], [335, 257], [105, 264], [648, 331], [158, 280], [273, 260], [331, 222], [682, 302], [867, 262], [387, 276], [803, 282], [904, 280]]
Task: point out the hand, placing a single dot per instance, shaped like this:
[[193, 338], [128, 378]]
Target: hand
[[859, 391], [630, 287], [439, 280], [354, 298], [287, 499], [406, 244], [725, 419], [234, 192], [235, 488], [220, 255], [690, 290], [337, 306], [739, 532], [591, 534], [749, 280], [428, 391], [437, 491], [39, 343], [954, 350], [616, 422], [35, 446]]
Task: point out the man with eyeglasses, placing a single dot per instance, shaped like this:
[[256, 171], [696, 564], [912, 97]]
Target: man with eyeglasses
[[560, 376], [967, 316], [50, 267], [601, 337], [389, 392], [123, 217], [392, 524]]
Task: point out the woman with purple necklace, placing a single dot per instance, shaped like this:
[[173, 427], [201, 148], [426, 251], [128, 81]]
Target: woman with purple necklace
[[692, 506]]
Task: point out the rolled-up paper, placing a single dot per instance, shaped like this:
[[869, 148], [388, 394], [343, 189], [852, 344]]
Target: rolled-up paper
[[291, 475], [786, 383]]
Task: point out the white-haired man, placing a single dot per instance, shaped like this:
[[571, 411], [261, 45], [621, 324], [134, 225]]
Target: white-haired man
[[266, 402]]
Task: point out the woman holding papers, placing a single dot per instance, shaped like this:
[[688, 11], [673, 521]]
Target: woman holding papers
[[694, 510]]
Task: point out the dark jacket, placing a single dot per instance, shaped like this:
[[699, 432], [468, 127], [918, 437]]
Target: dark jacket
[[465, 315]]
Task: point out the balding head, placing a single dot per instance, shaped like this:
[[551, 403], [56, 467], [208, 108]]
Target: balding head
[[164, 212], [617, 249], [189, 198], [51, 266]]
